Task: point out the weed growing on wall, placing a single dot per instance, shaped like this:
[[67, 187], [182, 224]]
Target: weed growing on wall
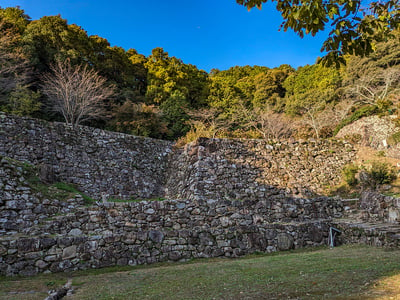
[[72, 190], [381, 173], [357, 177], [59, 190], [349, 174]]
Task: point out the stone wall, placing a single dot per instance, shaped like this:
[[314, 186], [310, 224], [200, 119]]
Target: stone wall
[[256, 169], [376, 207], [96, 161], [372, 234], [148, 232], [38, 234], [125, 166], [373, 220], [372, 131], [235, 197], [32, 255], [21, 207]]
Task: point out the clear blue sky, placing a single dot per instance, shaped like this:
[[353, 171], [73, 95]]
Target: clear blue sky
[[207, 33]]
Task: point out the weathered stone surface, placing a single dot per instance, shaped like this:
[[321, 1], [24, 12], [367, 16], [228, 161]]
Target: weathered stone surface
[[75, 232], [258, 241], [102, 243], [46, 173], [156, 236], [175, 255], [285, 241], [370, 131], [377, 208], [50, 258], [149, 211], [316, 234], [47, 242], [95, 160], [69, 252], [41, 264], [254, 169], [27, 245]]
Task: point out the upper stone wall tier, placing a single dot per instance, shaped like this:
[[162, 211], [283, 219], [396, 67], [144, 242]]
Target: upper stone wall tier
[[256, 169], [126, 166], [97, 161]]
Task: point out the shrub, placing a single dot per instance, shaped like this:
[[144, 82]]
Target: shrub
[[384, 107], [376, 174], [22, 102], [380, 153], [349, 174], [396, 121], [382, 173], [394, 139], [199, 130]]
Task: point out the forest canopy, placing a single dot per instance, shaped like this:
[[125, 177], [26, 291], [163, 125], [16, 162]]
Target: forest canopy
[[161, 96]]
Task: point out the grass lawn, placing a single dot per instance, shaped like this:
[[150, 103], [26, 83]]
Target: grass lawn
[[347, 272]]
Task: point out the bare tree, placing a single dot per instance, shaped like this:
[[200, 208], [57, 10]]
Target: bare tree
[[271, 124], [375, 86], [77, 92], [265, 121], [340, 111], [325, 117], [316, 117]]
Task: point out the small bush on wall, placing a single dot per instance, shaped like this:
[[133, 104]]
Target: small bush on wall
[[382, 173], [369, 176], [349, 174]]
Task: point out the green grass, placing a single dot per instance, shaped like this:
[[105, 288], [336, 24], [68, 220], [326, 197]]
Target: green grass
[[392, 194], [72, 190], [59, 190], [25, 166], [65, 187], [348, 272]]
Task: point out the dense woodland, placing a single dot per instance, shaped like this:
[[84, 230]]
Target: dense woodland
[[160, 96]]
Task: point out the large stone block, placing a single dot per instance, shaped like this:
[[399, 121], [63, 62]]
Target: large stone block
[[156, 236], [69, 252], [285, 241]]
